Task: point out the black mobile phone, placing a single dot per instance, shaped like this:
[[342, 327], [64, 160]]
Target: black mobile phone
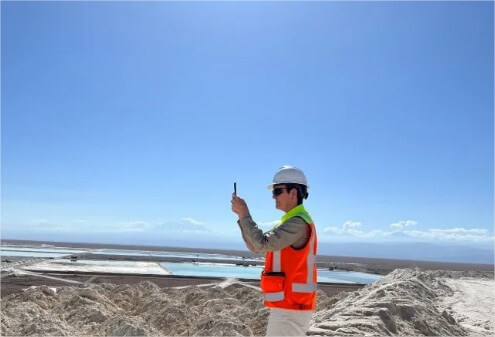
[[235, 188]]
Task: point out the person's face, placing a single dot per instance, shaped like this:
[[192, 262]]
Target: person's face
[[284, 200]]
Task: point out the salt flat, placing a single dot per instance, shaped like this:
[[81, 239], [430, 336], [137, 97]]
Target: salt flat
[[472, 304], [90, 266]]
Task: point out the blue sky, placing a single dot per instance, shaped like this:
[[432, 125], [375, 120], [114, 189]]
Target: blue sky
[[128, 122]]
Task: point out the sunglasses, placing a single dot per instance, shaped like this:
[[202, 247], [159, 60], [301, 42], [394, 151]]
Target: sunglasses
[[277, 191]]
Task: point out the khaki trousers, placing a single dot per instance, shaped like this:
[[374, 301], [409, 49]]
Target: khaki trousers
[[283, 322]]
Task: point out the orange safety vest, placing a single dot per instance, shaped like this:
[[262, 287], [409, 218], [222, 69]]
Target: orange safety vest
[[289, 278]]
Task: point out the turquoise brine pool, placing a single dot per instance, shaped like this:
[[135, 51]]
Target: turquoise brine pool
[[253, 272], [185, 255], [213, 270], [31, 254], [48, 252]]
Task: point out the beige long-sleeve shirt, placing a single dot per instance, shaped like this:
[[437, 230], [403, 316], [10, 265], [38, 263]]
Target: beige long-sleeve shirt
[[294, 232]]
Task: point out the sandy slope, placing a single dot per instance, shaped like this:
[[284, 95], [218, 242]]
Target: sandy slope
[[472, 304], [143, 309], [406, 302], [413, 303]]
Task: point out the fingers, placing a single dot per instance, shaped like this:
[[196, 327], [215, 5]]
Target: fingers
[[236, 199], [237, 203], [234, 203]]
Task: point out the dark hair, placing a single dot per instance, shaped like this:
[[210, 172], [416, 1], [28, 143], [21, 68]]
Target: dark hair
[[302, 191]]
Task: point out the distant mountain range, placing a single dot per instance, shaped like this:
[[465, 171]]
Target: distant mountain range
[[419, 251]]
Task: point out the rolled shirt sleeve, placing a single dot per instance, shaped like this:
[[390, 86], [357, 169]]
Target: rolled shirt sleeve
[[294, 232], [246, 240]]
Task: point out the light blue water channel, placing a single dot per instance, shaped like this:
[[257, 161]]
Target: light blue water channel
[[172, 254], [37, 251], [253, 272], [8, 249], [30, 254], [213, 270]]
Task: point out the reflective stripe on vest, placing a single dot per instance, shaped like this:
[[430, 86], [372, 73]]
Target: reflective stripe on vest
[[274, 297], [310, 285], [278, 296], [277, 261]]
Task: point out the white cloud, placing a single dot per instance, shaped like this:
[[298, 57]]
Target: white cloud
[[377, 232], [335, 230], [362, 234], [349, 227], [352, 228], [351, 224], [193, 221], [457, 234], [401, 224], [355, 232]]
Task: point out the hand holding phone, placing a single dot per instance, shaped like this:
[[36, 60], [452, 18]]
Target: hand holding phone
[[239, 206]]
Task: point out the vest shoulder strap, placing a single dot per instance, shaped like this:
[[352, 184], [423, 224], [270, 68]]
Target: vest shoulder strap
[[299, 211], [305, 216]]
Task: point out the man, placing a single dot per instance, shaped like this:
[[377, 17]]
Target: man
[[288, 280]]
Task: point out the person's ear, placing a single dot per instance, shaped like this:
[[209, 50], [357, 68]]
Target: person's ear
[[293, 193]]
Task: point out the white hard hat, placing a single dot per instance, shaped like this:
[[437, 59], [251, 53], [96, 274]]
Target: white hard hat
[[289, 175]]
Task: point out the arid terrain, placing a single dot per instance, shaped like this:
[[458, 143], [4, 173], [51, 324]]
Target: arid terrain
[[413, 298]]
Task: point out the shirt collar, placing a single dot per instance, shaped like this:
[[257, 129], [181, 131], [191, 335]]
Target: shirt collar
[[298, 209]]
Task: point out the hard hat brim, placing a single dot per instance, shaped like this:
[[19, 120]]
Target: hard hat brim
[[270, 187]]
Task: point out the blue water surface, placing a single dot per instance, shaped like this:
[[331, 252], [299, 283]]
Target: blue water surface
[[14, 253], [254, 272]]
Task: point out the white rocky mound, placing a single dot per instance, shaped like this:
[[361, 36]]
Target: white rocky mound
[[413, 303], [135, 310], [406, 302]]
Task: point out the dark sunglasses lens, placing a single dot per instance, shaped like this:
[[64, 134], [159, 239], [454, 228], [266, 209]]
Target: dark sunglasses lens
[[277, 191]]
